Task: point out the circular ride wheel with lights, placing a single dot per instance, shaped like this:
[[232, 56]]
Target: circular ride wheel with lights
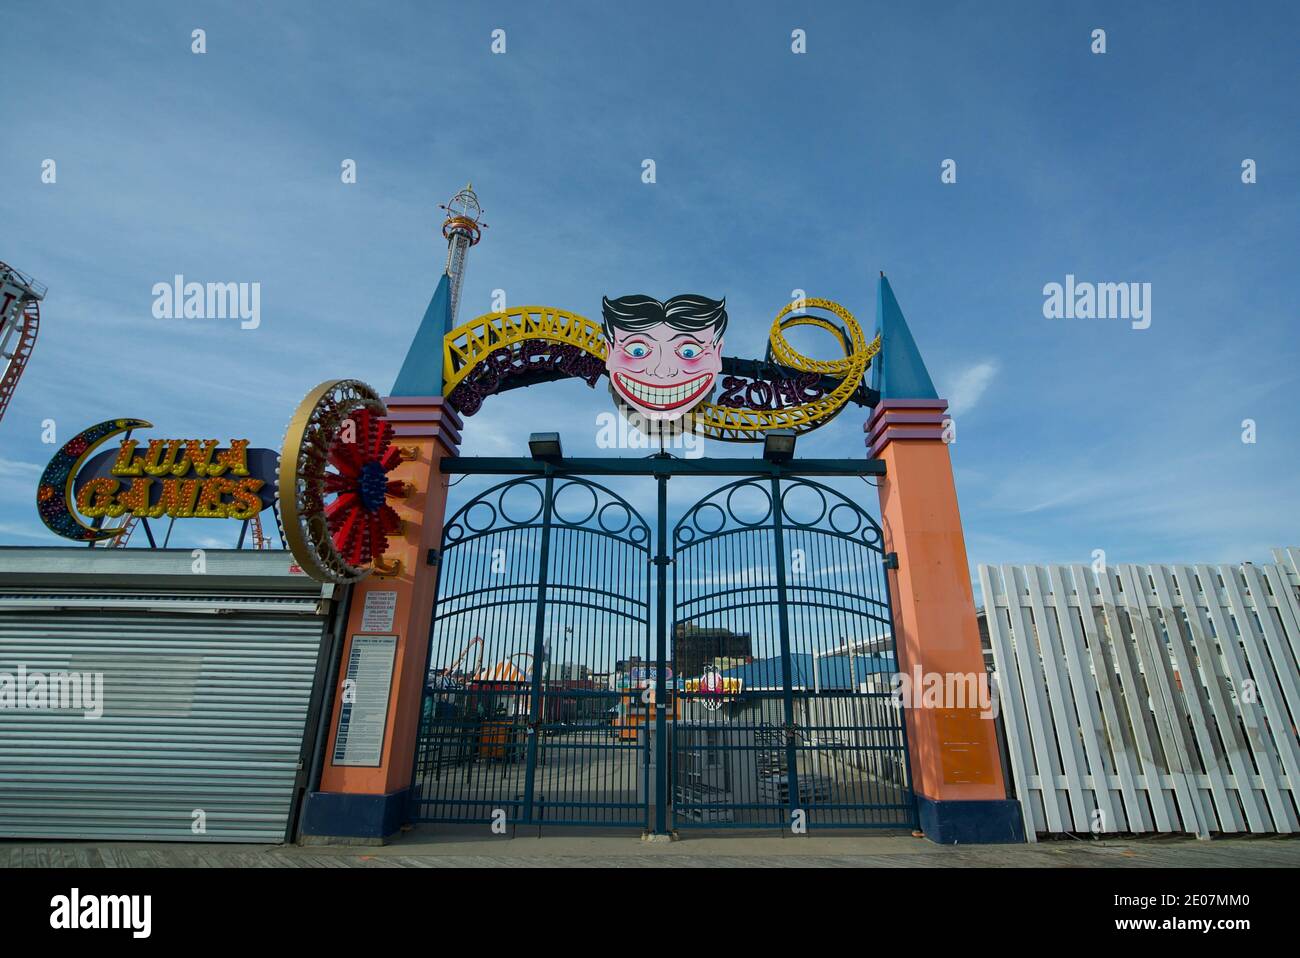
[[334, 483]]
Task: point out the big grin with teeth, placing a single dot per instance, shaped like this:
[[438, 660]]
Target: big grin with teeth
[[663, 358]]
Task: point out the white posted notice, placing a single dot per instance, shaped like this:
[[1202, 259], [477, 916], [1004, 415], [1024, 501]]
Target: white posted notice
[[377, 614], [364, 712]]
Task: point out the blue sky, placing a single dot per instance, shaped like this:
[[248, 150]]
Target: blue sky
[[775, 171]]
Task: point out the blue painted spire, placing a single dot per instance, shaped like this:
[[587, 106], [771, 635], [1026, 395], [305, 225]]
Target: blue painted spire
[[421, 373], [897, 372]]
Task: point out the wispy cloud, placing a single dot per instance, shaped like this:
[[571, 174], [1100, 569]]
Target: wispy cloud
[[13, 468], [969, 385], [34, 531]]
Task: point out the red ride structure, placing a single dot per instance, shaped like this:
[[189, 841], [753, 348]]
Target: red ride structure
[[360, 519], [20, 318]]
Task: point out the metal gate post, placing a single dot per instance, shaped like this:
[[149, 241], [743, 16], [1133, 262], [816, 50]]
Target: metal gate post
[[661, 561], [434, 559], [890, 564], [539, 643], [787, 665]]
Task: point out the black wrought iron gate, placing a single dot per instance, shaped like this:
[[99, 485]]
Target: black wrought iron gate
[[771, 682], [543, 599], [783, 654]]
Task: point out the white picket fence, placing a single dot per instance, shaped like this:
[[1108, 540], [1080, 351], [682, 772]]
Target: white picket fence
[[1124, 708]]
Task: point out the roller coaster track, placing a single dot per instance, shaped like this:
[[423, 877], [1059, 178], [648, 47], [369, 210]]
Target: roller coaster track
[[127, 526], [470, 344], [260, 540], [20, 319]]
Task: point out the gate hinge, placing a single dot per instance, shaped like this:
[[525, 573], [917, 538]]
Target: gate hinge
[[433, 557], [891, 560]]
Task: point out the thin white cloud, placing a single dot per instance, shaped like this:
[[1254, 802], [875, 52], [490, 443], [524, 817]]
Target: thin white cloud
[[969, 386], [34, 531], [13, 468]]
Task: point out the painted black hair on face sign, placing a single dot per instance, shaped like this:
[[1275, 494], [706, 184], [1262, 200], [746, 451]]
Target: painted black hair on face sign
[[687, 313]]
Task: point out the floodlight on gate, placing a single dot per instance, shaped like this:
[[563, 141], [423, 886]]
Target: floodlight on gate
[[778, 445], [545, 446]]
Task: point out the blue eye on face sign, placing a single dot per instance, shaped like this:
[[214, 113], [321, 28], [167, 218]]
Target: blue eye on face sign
[[690, 352], [637, 350]]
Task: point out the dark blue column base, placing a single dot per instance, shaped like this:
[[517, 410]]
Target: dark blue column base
[[971, 823], [341, 818]]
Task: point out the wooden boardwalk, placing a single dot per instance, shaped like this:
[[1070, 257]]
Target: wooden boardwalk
[[424, 850]]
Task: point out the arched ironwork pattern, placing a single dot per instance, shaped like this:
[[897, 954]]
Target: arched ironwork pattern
[[543, 599], [784, 662]]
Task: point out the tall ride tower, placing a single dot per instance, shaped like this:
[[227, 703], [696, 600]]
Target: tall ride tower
[[20, 318], [462, 228]]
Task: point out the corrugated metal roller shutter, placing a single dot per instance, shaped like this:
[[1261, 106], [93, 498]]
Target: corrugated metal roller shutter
[[203, 712]]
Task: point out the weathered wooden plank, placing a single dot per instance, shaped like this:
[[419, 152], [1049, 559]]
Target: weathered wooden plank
[[1252, 716], [1169, 718], [1288, 606], [1136, 817], [1011, 697], [1136, 703], [1061, 701], [1226, 716], [1275, 642], [1196, 707], [1084, 692], [1291, 559], [1031, 680], [1276, 684]]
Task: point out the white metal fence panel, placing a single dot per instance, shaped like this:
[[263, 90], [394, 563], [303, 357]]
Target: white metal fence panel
[[1150, 698]]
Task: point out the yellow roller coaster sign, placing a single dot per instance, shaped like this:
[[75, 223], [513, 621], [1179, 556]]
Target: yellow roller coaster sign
[[470, 344]]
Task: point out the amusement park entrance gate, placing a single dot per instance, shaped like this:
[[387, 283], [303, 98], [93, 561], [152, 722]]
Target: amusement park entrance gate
[[730, 669]]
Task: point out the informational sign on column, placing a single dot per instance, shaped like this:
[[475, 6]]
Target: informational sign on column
[[377, 613], [364, 712]]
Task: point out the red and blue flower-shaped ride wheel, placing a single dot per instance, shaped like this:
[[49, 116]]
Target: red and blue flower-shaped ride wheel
[[360, 519]]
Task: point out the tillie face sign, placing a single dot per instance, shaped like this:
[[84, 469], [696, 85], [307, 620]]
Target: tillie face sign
[[174, 478], [663, 358], [665, 363]]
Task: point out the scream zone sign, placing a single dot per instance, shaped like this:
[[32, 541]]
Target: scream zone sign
[[533, 360], [770, 393]]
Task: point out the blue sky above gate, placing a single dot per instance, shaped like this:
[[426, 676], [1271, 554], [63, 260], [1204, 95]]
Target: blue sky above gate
[[775, 171]]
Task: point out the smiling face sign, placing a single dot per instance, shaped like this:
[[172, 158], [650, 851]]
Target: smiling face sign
[[663, 358]]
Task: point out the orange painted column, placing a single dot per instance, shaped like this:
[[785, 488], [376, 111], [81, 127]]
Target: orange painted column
[[955, 762], [357, 803]]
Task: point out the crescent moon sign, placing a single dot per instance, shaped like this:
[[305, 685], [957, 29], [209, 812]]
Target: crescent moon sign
[[54, 494]]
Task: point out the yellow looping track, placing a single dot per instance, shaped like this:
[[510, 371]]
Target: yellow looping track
[[469, 344]]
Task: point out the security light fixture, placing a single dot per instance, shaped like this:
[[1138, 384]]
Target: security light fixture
[[545, 446], [778, 445]]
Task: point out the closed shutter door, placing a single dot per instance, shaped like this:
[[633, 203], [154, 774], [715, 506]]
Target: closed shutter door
[[204, 701]]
